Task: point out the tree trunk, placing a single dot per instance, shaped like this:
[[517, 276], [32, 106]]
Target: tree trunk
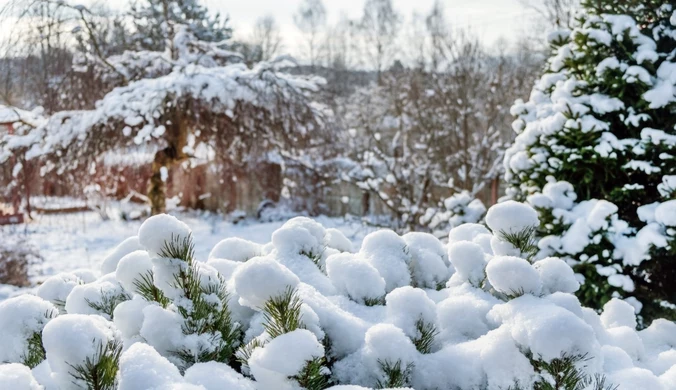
[[176, 137]]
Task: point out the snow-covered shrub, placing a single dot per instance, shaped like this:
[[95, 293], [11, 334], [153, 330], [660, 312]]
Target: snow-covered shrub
[[594, 153], [302, 312]]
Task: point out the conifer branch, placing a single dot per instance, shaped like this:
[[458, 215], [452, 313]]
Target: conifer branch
[[314, 375], [108, 302], [99, 372], [427, 331], [397, 376], [145, 287], [523, 240], [282, 314]]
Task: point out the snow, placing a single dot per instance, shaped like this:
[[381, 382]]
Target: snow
[[511, 217], [618, 313], [513, 276], [386, 251], [406, 305], [236, 249], [260, 279], [132, 268], [124, 248], [217, 376], [160, 230], [141, 367], [354, 277], [468, 260], [17, 377], [283, 357], [556, 276]]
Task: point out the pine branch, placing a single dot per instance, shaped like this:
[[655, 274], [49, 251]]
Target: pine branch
[[108, 302], [282, 314], [99, 372], [564, 374], [314, 375], [206, 314], [36, 352], [523, 240], [244, 352], [146, 288], [177, 248], [427, 332], [374, 301], [397, 376]]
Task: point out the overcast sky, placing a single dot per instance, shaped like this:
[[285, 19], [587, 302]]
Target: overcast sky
[[487, 19]]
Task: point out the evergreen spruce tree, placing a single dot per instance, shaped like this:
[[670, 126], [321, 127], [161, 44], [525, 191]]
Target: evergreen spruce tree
[[595, 153], [154, 21]]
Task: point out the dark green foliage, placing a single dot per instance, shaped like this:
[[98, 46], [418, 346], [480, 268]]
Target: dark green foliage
[[314, 375], [146, 288], [36, 352], [523, 240], [177, 248], [99, 372], [374, 301], [569, 153], [203, 316], [108, 302], [396, 374], [244, 352], [566, 373], [427, 331], [282, 314]]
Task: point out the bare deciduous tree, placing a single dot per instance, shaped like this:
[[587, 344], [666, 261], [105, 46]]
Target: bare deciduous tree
[[267, 37], [556, 13], [311, 20], [380, 25]]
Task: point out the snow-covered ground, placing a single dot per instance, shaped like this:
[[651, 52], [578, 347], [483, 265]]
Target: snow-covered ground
[[81, 240]]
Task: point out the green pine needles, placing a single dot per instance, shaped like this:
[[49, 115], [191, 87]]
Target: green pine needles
[[427, 331], [566, 373], [100, 371], [396, 374], [108, 302], [207, 312], [35, 352], [146, 288], [524, 240], [282, 314], [314, 376]]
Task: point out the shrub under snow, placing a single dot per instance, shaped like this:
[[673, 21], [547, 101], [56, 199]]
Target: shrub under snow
[[301, 312]]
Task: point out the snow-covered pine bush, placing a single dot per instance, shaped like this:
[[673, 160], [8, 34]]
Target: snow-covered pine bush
[[595, 153], [306, 311]]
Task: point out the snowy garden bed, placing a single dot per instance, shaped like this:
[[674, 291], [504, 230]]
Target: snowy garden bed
[[308, 310]]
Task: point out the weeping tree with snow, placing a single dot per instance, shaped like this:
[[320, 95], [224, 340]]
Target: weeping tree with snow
[[595, 153], [194, 99]]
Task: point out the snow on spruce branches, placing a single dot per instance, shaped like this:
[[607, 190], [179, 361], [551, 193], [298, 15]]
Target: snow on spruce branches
[[595, 153], [307, 311]]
